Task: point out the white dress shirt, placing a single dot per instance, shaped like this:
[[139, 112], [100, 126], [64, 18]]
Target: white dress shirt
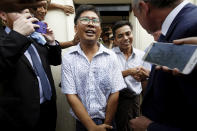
[[94, 81], [133, 61]]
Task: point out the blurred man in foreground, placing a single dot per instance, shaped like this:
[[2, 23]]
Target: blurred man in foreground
[[17, 5]]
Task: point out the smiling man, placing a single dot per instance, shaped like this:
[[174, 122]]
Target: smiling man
[[134, 70], [91, 78]]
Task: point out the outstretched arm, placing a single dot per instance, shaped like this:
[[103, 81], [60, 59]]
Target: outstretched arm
[[111, 108], [66, 8]]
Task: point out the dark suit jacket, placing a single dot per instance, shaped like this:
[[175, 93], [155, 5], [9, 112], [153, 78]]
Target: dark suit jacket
[[19, 87], [171, 101]]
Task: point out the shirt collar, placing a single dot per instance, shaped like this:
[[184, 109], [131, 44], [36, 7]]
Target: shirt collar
[[117, 50], [7, 30], [169, 19], [101, 50]]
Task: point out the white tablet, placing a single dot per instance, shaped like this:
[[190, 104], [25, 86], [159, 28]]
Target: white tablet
[[183, 57]]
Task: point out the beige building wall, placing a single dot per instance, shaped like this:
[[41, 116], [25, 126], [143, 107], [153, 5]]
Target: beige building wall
[[63, 27], [141, 38]]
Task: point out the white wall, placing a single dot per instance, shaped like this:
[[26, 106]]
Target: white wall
[[63, 27], [141, 38]]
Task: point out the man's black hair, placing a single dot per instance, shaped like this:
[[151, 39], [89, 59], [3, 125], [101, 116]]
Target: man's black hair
[[119, 24], [83, 8]]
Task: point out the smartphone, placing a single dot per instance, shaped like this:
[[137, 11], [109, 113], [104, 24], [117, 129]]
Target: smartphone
[[182, 57], [43, 27]]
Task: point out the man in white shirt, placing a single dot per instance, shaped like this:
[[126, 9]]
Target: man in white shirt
[[134, 70], [91, 78]]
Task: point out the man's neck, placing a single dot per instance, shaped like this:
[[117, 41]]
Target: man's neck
[[127, 52], [89, 48]]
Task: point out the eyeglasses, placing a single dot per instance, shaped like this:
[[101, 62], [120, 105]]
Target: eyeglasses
[[86, 20]]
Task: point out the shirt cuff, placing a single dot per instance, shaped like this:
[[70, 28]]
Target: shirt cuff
[[54, 43]]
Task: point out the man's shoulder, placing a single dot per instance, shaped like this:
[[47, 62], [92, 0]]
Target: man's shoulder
[[70, 53], [188, 14], [109, 52], [138, 52]]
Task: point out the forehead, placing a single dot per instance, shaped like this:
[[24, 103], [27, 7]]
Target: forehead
[[89, 14], [123, 29], [14, 15]]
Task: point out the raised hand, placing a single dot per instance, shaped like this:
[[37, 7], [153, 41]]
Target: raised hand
[[24, 24]]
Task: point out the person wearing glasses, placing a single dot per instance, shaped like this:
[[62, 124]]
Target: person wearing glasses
[[107, 37], [135, 72], [91, 79]]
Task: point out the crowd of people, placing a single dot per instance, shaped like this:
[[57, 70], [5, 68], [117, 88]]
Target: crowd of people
[[103, 76]]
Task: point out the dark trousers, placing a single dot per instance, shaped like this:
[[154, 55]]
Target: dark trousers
[[48, 116], [81, 127], [128, 108]]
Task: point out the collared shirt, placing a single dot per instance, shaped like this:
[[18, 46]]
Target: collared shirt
[[94, 81], [42, 99], [169, 19], [133, 61]]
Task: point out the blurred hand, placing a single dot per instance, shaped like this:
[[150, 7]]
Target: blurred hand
[[75, 41], [68, 9], [141, 73], [141, 122], [24, 24], [49, 36], [189, 40], [175, 71], [102, 127]]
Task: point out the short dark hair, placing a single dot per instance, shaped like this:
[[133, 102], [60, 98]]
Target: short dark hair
[[83, 8], [158, 3], [119, 24]]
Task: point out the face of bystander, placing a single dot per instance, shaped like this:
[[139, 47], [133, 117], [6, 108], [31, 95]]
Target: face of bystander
[[124, 37], [39, 12], [88, 26], [9, 18]]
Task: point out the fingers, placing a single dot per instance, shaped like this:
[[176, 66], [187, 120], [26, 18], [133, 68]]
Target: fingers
[[175, 71], [189, 40], [24, 24], [132, 121], [68, 9], [164, 68], [107, 126]]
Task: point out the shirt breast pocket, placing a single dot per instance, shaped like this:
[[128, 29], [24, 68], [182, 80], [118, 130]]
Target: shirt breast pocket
[[103, 79]]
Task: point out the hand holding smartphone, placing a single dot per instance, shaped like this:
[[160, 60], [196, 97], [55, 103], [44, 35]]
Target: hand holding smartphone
[[43, 27], [182, 57]]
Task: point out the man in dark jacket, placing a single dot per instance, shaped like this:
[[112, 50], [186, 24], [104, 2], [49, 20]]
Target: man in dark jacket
[[27, 92]]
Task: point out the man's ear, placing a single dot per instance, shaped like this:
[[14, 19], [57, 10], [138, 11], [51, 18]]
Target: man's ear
[[3, 16], [75, 28], [144, 7]]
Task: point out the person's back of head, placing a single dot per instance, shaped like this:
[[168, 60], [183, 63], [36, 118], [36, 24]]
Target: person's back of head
[[119, 24], [158, 3], [83, 8]]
